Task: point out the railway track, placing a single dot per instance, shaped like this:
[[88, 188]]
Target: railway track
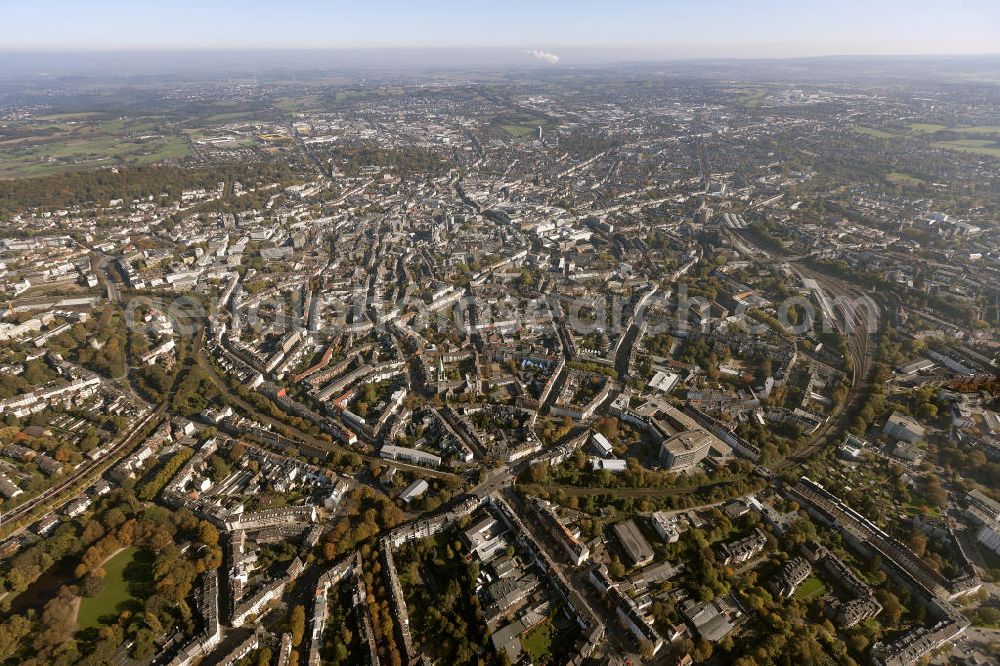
[[296, 435], [57, 495], [858, 333]]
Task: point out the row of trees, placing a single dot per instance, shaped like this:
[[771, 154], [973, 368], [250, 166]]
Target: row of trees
[[445, 618], [150, 488], [383, 627], [340, 643]]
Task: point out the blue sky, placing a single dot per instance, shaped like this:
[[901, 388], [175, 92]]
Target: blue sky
[[674, 28]]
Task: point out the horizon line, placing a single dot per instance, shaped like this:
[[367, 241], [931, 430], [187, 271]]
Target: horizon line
[[511, 49]]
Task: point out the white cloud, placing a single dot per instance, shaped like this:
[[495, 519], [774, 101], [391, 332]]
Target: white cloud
[[544, 55]]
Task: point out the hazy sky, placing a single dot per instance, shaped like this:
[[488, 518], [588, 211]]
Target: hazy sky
[[671, 28]]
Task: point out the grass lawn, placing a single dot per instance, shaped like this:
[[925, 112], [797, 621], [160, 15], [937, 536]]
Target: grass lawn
[[87, 140], [537, 642], [977, 146], [127, 573], [520, 131], [905, 178], [753, 98], [877, 133], [926, 128], [980, 129], [70, 116], [917, 508], [89, 150], [810, 589], [931, 128], [915, 503], [304, 103]]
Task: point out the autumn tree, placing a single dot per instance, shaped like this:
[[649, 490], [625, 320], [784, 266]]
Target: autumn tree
[[297, 624]]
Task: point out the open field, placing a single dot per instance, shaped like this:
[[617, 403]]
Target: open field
[[126, 575], [876, 133], [521, 123], [224, 118], [926, 128], [976, 146], [974, 141], [58, 117], [753, 97], [63, 142], [304, 103], [520, 131], [52, 157], [905, 178], [931, 128], [980, 129], [41, 145]]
